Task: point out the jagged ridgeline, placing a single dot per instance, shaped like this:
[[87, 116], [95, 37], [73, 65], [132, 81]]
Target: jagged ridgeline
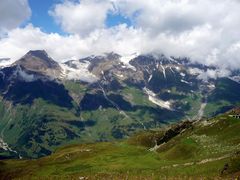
[[45, 104]]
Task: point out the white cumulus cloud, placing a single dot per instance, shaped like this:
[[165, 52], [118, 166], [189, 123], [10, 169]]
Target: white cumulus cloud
[[81, 17], [207, 31], [13, 13], [119, 39]]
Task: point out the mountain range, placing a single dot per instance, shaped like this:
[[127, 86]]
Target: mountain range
[[45, 104]]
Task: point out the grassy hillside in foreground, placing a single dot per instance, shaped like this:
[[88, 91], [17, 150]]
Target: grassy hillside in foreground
[[208, 148]]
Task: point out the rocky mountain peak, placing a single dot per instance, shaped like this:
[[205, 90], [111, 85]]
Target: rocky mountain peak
[[35, 58], [39, 61], [42, 54], [112, 56]]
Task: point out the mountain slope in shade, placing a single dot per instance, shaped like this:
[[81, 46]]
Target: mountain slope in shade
[[205, 149]]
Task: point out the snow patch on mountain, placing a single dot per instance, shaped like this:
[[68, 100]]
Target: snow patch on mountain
[[173, 60], [152, 97], [79, 71], [186, 82], [5, 147], [126, 59], [195, 71], [172, 70], [182, 74], [177, 68], [150, 78], [164, 71]]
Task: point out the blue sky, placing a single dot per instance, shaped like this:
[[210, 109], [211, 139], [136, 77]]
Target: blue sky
[[114, 20], [40, 17]]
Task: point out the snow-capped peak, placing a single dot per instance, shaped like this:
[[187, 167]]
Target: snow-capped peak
[[126, 59]]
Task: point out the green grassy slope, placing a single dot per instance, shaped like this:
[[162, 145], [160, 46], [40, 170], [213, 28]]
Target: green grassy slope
[[36, 129], [205, 149], [224, 97]]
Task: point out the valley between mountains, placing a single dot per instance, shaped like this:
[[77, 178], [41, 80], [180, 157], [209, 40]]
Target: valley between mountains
[[120, 110]]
